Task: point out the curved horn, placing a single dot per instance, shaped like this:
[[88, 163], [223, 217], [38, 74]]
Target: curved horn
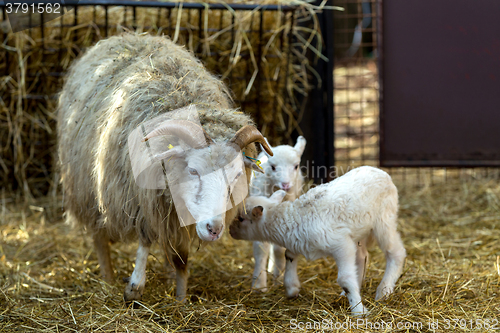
[[185, 130], [248, 134]]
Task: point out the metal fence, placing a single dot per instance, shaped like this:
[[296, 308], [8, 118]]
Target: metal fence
[[256, 49]]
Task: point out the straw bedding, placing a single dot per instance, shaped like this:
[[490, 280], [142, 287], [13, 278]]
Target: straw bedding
[[50, 278]]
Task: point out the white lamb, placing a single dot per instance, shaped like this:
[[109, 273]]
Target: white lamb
[[337, 219], [281, 172]]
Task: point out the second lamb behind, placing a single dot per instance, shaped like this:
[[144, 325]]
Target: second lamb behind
[[338, 219]]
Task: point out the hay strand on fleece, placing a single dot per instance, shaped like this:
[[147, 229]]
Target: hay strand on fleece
[[450, 231]]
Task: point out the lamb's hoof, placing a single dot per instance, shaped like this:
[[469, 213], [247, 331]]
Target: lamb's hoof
[[292, 292], [259, 287], [360, 311], [342, 294], [132, 293], [126, 279], [383, 293]]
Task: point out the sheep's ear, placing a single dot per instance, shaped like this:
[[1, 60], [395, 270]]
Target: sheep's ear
[[257, 212], [278, 196], [300, 145], [251, 165]]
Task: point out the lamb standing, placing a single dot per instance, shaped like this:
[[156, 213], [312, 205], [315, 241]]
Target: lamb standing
[[281, 172], [116, 86], [337, 219]]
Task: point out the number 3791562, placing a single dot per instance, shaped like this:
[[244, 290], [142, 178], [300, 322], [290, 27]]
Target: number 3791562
[[40, 8]]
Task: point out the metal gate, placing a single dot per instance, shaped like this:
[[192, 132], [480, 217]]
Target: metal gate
[[440, 83]]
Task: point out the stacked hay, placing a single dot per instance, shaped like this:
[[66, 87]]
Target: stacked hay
[[264, 70]]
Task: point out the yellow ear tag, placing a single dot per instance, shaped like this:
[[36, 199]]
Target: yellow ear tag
[[170, 146]]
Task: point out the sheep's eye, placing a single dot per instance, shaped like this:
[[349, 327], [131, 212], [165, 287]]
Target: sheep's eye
[[273, 167], [240, 219], [296, 167], [193, 171]]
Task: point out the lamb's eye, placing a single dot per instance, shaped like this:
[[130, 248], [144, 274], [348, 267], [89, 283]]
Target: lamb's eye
[[240, 219], [193, 172], [296, 167], [273, 167]]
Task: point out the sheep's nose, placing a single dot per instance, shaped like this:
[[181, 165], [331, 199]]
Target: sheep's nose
[[214, 232], [285, 186]]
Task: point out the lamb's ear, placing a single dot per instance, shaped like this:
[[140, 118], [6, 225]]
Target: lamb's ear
[[257, 212], [278, 196], [300, 145]]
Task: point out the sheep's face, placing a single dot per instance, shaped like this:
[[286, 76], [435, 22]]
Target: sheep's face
[[210, 180], [250, 221], [282, 169]]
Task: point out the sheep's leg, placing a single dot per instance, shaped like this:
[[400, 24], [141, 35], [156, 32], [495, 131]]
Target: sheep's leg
[[180, 260], [169, 266], [345, 257], [291, 279], [135, 286], [395, 254], [101, 246], [279, 261], [260, 253]]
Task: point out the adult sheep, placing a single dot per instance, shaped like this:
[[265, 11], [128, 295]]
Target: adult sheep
[[117, 85]]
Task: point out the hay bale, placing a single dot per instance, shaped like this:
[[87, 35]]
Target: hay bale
[[259, 70]]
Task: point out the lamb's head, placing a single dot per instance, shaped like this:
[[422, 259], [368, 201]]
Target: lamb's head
[[249, 225], [282, 169], [209, 176]]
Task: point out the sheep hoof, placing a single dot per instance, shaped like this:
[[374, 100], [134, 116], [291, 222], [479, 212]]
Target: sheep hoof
[[342, 293], [132, 293], [181, 299]]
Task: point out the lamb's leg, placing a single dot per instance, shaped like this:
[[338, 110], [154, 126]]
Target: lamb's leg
[[135, 286], [361, 261], [101, 246], [345, 257], [180, 261], [291, 279], [260, 254], [279, 260], [395, 254]]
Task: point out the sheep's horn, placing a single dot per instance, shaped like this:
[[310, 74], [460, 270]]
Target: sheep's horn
[[185, 130], [249, 134]]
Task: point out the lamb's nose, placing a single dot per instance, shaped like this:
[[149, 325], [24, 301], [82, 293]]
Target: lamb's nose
[[214, 232], [285, 186]]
